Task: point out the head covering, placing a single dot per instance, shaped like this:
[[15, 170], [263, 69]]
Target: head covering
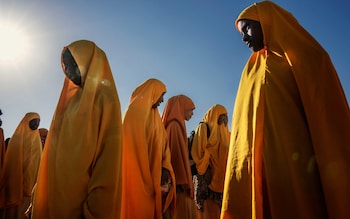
[[289, 95], [282, 32], [174, 121], [145, 153], [213, 150], [81, 168], [175, 109], [21, 163]]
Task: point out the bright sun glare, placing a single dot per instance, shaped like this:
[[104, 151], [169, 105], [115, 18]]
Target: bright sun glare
[[14, 43]]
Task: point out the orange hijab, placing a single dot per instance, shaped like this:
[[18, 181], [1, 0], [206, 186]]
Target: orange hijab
[[80, 172], [174, 121], [145, 152], [21, 163]]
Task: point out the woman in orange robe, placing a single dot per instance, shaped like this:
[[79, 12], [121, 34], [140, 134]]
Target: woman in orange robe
[[146, 155], [20, 169], [290, 143], [80, 171], [209, 152], [177, 110]]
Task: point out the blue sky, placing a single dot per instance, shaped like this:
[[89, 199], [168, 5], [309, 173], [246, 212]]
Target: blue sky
[[190, 45]]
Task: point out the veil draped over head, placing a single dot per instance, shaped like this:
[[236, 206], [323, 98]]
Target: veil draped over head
[[145, 153], [82, 154], [291, 121]]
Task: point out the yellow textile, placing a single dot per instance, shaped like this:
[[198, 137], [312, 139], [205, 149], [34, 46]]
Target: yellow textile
[[213, 150], [174, 121], [289, 150], [145, 152], [21, 163], [80, 172]]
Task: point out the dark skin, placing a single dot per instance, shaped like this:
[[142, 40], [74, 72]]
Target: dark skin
[[252, 34], [159, 101], [223, 119], [34, 124], [70, 67]]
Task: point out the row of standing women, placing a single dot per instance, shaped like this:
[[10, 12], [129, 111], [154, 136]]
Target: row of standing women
[[97, 166]]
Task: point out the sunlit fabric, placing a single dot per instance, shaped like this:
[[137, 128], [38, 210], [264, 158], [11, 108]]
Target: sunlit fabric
[[80, 172], [174, 121], [145, 152], [289, 150], [212, 151], [21, 164]]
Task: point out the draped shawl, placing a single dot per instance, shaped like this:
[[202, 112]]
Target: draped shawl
[[80, 172], [145, 153], [290, 144]]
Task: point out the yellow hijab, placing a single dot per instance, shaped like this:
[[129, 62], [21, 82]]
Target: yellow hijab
[[80, 172], [290, 51], [213, 150], [145, 152], [21, 163]]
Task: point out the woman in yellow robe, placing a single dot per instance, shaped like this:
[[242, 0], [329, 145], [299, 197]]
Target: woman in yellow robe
[[209, 152], [177, 110], [80, 171], [20, 169], [145, 155], [290, 144]]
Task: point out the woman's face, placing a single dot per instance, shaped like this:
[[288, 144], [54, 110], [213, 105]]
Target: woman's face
[[159, 101], [70, 67], [223, 119], [188, 114], [252, 34], [34, 124]]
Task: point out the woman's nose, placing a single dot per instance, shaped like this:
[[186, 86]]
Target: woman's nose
[[245, 37]]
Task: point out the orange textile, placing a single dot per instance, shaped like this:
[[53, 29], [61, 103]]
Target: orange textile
[[174, 121], [21, 163], [145, 152], [80, 172], [289, 151], [213, 150]]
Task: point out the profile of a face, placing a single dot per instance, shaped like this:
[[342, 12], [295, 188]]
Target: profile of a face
[[252, 34], [159, 101], [223, 119], [188, 114], [34, 124], [70, 67]]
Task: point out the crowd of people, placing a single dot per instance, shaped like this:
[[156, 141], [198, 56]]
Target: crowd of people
[[287, 155]]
